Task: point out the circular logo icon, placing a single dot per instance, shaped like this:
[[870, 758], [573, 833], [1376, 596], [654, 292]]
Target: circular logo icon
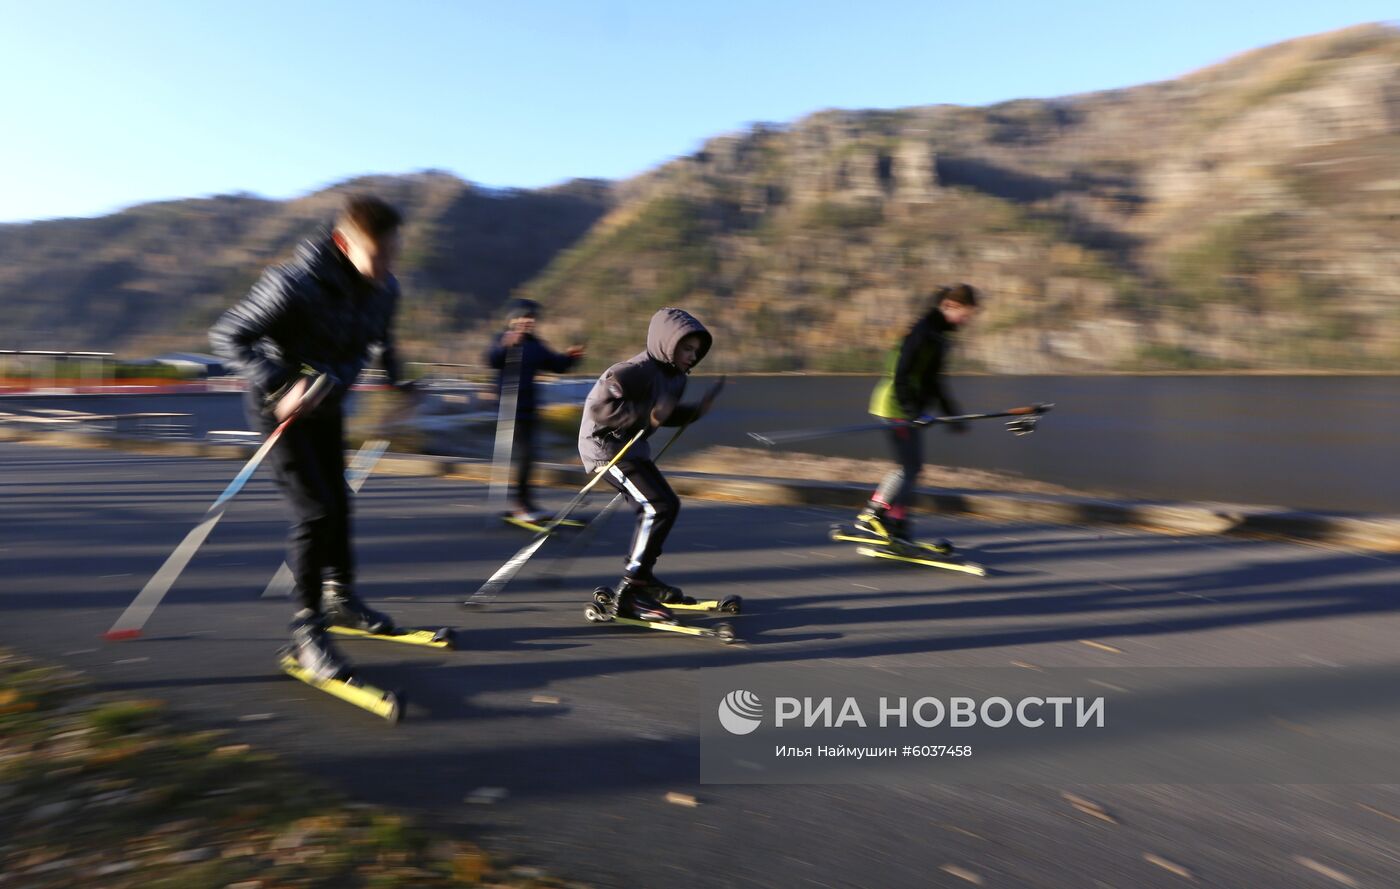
[[741, 712]]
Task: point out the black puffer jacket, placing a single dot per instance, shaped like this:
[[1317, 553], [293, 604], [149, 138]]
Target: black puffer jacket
[[316, 310]]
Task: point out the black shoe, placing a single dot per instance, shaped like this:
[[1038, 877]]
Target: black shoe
[[312, 650], [344, 609], [663, 592], [634, 600], [900, 533]]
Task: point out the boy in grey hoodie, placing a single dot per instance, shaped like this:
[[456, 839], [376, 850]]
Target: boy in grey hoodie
[[644, 392]]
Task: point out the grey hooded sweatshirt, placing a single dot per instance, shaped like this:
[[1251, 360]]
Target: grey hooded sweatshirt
[[621, 402]]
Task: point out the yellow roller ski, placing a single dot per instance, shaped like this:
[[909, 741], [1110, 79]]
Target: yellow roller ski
[[534, 527], [850, 534], [598, 612], [918, 558], [384, 704], [727, 605], [443, 638]]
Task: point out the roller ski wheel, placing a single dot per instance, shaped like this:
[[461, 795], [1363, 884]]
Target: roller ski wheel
[[725, 634], [388, 705], [730, 605], [603, 607]]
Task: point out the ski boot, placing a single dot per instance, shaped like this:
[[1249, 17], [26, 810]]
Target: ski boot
[[313, 651], [343, 608], [531, 514], [872, 521], [901, 538], [634, 600], [663, 592]]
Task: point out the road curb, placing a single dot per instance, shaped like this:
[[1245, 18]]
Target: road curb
[[1378, 533]]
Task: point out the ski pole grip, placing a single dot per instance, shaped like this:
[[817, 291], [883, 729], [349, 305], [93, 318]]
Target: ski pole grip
[[315, 393]]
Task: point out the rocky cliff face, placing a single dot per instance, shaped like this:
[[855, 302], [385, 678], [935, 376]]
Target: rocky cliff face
[[1242, 216]]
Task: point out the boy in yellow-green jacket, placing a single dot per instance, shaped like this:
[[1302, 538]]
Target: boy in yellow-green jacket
[[913, 382]]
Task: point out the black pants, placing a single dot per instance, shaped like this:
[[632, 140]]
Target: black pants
[[657, 507], [523, 456], [309, 463], [897, 488]]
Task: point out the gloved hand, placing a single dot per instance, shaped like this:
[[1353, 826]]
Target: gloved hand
[[661, 412], [292, 399]]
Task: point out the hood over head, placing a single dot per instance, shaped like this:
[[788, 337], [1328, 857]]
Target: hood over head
[[668, 327]]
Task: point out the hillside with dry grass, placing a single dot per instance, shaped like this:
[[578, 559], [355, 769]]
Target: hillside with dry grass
[[1242, 216]]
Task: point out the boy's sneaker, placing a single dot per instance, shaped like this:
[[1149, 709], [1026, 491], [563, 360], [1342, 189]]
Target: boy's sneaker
[[662, 591], [634, 601], [312, 650], [343, 608]]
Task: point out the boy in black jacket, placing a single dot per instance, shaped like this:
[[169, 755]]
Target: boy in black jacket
[[323, 312], [644, 392]]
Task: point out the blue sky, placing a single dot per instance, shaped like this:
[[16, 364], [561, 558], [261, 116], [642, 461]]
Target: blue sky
[[107, 104]]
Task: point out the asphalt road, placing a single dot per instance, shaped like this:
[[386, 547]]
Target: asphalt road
[[557, 741]]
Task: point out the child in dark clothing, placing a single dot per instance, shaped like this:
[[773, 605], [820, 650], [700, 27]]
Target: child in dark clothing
[[914, 381], [519, 355], [644, 392], [327, 310]]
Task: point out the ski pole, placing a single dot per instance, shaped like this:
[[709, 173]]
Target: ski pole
[[134, 618], [506, 573], [505, 428], [580, 542], [1027, 417], [360, 468]]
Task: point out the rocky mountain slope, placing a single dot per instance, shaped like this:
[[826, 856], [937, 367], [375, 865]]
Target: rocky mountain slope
[[1242, 216]]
